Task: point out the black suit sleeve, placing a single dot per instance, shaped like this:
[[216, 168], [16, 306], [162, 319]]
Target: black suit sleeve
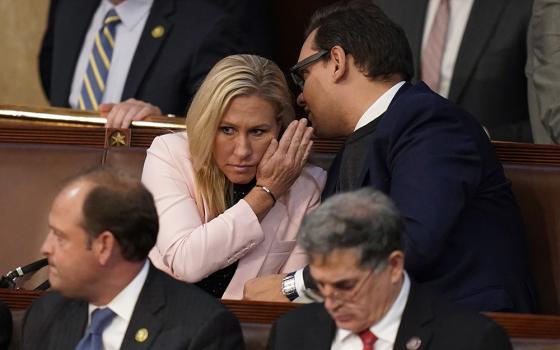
[[45, 56], [308, 281], [5, 326], [221, 331], [272, 338]]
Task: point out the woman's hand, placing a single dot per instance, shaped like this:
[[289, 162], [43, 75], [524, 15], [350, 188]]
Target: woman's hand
[[284, 160]]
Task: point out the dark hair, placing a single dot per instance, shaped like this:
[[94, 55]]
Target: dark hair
[[378, 45], [120, 204], [365, 220]]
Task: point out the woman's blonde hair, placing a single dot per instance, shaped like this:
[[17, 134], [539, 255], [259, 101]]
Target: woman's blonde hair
[[233, 76]]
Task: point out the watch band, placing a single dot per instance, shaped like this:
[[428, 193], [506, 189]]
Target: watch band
[[289, 286]]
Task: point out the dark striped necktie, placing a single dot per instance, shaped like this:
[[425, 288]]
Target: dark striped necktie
[[99, 62]]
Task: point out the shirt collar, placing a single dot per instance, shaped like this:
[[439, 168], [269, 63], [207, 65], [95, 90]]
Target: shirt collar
[[123, 304], [387, 327], [131, 12], [379, 106]]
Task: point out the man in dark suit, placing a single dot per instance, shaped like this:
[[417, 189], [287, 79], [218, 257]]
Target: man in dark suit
[[488, 74], [176, 47], [353, 241], [101, 227], [464, 234]]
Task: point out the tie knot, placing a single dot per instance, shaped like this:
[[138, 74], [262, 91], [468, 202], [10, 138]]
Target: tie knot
[[111, 17], [100, 318], [368, 338]]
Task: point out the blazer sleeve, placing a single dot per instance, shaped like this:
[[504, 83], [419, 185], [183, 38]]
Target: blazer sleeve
[[307, 192], [435, 168], [543, 66], [188, 246]]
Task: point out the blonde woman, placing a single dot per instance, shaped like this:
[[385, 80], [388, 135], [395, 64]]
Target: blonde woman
[[231, 192]]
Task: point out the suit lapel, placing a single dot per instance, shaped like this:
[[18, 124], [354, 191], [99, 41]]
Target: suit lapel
[[332, 176], [319, 334], [149, 45], [146, 319], [482, 21], [77, 15], [415, 321]]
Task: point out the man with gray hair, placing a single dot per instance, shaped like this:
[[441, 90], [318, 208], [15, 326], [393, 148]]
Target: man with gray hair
[[354, 244]]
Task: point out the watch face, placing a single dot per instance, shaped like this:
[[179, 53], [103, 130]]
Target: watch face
[[289, 287]]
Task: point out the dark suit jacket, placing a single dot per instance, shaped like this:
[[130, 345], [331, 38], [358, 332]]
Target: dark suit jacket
[[5, 326], [438, 324], [177, 316], [165, 71], [489, 77], [464, 233]]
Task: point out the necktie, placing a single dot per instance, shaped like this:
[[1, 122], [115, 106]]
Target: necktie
[[368, 339], [92, 340], [99, 62], [433, 51]]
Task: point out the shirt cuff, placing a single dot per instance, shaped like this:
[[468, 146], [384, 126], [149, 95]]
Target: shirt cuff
[[305, 295]]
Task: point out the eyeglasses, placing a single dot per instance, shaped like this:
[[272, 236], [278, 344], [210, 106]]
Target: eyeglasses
[[344, 293], [297, 71]]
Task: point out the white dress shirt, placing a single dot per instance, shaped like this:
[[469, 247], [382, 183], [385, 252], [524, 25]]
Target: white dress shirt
[[123, 306], [458, 17], [133, 15], [379, 106], [385, 329]]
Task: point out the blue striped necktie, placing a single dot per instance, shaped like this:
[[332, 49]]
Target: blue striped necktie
[[99, 62]]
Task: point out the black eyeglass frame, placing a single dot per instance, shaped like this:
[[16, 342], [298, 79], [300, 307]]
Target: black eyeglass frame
[[295, 71]]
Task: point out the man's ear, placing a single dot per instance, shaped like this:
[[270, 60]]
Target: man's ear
[[396, 264], [104, 246], [339, 62]]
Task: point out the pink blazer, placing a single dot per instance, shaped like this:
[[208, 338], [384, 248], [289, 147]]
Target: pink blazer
[[190, 247]]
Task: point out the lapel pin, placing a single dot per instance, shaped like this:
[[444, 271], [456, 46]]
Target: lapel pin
[[158, 32], [141, 335], [413, 343]]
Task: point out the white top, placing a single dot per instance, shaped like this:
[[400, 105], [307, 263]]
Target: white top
[[123, 306], [385, 329], [133, 15], [459, 15]]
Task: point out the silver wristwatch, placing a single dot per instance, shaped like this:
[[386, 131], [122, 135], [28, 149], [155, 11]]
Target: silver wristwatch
[[289, 286]]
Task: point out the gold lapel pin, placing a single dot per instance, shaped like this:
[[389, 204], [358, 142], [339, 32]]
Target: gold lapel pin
[[158, 32], [141, 335]]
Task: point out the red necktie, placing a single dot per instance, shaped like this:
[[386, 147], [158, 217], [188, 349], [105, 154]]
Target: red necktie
[[432, 55], [368, 338]]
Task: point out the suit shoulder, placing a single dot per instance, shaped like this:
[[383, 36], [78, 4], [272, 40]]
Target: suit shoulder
[[45, 310], [301, 315], [185, 295], [48, 303], [472, 325]]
